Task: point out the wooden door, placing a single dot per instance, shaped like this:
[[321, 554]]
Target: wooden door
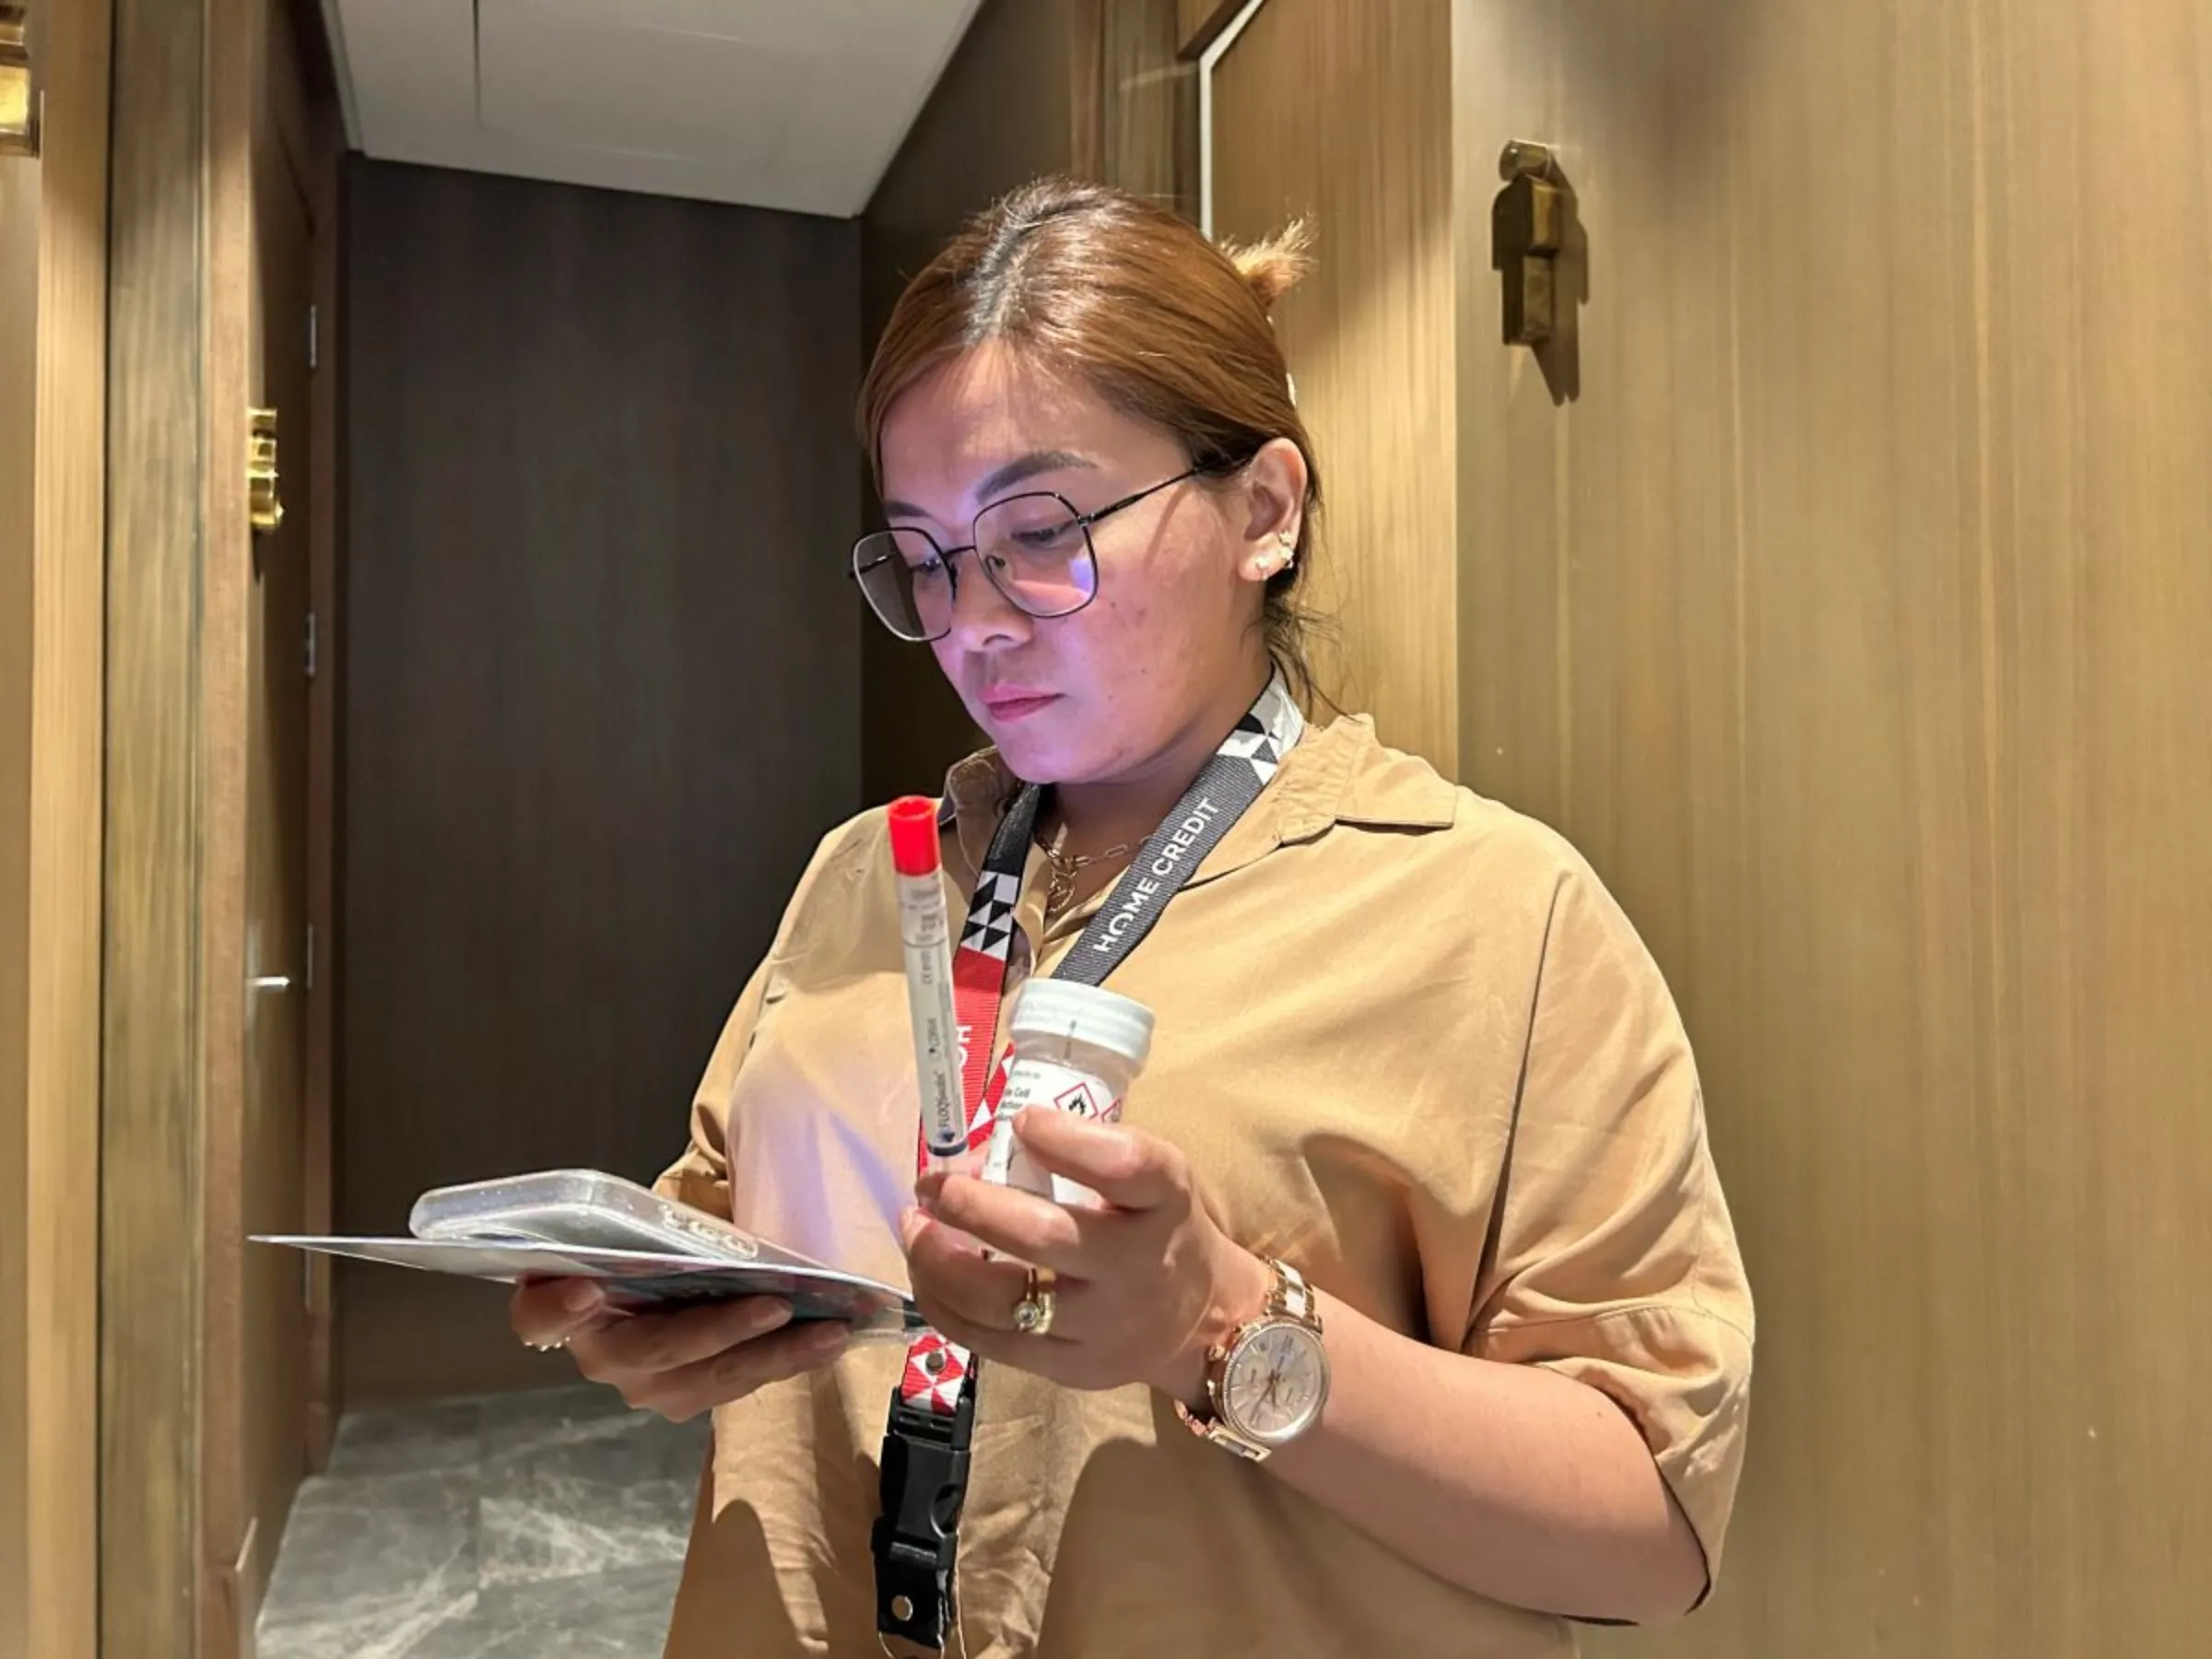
[[1340, 112], [1857, 620], [203, 1355], [255, 1444], [280, 965]]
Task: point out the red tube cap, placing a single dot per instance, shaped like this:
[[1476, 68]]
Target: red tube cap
[[914, 836]]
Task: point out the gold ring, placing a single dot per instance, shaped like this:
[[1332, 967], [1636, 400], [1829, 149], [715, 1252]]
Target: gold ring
[[1033, 1312], [547, 1347]]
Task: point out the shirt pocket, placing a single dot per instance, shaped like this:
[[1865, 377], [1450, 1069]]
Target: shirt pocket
[[779, 978]]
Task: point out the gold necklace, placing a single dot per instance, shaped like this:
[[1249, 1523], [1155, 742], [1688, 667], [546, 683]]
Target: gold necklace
[[1060, 885]]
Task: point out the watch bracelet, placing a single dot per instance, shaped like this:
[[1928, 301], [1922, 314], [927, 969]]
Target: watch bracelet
[[1289, 1297]]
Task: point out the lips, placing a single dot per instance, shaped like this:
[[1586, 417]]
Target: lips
[[1017, 702]]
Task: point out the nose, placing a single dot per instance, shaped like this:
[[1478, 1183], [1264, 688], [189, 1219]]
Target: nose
[[983, 618]]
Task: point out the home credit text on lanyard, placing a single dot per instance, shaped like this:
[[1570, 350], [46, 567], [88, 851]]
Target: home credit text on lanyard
[[924, 1466]]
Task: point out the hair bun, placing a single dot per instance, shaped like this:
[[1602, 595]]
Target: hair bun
[[1272, 266]]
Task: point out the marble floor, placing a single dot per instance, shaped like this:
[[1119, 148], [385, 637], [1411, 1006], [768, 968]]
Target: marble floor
[[548, 1524]]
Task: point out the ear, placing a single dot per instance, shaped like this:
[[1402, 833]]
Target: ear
[[1275, 489]]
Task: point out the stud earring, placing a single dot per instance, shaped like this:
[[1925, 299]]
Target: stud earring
[[1281, 559]]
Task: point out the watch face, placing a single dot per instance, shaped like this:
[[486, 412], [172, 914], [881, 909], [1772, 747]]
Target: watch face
[[1274, 1381]]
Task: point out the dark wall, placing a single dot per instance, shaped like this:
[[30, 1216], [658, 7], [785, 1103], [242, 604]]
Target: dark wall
[[1001, 114], [601, 663]]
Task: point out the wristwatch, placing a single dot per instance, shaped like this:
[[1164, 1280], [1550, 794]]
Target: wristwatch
[[1266, 1384]]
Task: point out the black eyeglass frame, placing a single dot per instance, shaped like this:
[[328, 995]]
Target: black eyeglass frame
[[945, 555]]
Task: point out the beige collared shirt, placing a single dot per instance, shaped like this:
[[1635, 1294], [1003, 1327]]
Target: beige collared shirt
[[1410, 1044]]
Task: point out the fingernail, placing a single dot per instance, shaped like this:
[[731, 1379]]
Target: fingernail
[[768, 1313], [828, 1339], [911, 1223], [581, 1297]]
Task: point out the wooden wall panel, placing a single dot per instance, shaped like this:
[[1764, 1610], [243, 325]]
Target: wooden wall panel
[[1854, 620], [1003, 113], [61, 1051], [601, 685], [166, 996], [1342, 115], [1197, 22], [19, 218], [1136, 100], [52, 335]]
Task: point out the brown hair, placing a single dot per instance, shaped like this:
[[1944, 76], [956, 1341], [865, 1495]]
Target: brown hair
[[1132, 301]]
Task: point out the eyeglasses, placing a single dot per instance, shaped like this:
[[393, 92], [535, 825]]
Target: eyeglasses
[[1034, 548]]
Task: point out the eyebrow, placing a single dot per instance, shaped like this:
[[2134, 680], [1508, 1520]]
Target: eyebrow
[[1015, 472]]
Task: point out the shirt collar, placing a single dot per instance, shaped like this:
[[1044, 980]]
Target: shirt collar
[[1337, 773]]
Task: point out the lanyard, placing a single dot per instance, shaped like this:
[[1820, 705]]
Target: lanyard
[[925, 1465]]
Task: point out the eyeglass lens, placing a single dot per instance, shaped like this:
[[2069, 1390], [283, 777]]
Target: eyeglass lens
[[1033, 548]]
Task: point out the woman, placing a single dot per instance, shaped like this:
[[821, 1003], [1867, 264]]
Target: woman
[[1407, 1052]]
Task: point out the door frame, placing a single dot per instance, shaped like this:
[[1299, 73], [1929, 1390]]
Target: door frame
[[173, 1051], [325, 89], [1210, 44]]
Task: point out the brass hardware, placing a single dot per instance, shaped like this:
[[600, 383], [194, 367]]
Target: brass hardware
[[261, 469], [1528, 229], [1525, 156], [19, 97]]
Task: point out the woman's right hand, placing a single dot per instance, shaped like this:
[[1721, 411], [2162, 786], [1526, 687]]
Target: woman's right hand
[[678, 1363]]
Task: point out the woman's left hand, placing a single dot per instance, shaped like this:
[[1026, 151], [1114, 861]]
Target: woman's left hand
[[1143, 1285]]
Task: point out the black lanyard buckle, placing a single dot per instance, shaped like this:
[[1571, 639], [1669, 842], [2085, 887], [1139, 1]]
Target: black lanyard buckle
[[915, 1538]]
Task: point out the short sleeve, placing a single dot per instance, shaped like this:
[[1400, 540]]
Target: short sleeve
[[1614, 1262], [700, 1177]]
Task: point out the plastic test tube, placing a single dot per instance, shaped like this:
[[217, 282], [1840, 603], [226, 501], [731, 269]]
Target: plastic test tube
[[925, 930]]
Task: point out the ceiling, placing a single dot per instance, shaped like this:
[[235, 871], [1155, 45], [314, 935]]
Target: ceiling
[[797, 104]]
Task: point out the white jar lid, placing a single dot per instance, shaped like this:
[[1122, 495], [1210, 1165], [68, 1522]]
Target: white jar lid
[[1080, 1013]]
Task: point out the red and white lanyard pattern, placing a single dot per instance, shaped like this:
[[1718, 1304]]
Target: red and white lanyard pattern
[[937, 1369]]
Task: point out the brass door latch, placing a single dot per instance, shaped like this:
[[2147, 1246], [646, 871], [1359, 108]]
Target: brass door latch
[[261, 469], [18, 96], [1528, 229]]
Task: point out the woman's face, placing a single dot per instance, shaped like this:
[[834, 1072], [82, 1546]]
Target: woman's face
[[1171, 635]]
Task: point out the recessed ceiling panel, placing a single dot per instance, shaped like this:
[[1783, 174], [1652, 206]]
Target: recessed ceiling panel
[[553, 75], [412, 65], [797, 104]]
